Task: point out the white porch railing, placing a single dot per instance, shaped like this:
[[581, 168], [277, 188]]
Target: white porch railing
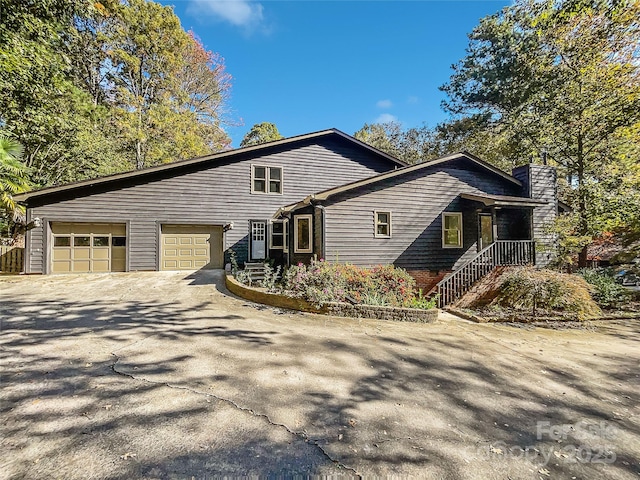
[[501, 252]]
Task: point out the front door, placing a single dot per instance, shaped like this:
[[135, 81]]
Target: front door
[[258, 240], [486, 230]]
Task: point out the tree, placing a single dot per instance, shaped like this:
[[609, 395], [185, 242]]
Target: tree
[[261, 133], [560, 78], [168, 88], [14, 176], [413, 145]]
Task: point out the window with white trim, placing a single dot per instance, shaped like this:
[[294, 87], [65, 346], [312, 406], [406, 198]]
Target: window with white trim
[[266, 179], [383, 224], [276, 239], [452, 230], [302, 234]]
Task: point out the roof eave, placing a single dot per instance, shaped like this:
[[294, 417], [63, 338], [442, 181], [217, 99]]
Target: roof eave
[[24, 197]]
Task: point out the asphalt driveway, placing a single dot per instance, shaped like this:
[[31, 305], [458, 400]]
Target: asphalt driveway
[[166, 375]]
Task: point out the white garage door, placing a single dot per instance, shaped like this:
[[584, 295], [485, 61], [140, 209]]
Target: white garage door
[[191, 247]]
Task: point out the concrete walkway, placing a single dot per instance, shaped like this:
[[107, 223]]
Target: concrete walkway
[[165, 375]]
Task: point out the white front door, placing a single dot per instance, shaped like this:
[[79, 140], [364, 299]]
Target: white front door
[[258, 240]]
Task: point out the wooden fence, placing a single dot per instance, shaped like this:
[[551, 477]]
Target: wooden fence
[[11, 259]]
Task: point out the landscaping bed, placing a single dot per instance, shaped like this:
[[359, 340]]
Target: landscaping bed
[[381, 292], [338, 309], [542, 297]]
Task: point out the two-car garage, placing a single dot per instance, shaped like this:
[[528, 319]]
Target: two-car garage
[[102, 247]]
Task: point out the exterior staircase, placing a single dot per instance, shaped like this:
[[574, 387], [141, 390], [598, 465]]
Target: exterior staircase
[[499, 253], [256, 271]]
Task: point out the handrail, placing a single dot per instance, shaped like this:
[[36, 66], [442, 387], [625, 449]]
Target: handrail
[[499, 253]]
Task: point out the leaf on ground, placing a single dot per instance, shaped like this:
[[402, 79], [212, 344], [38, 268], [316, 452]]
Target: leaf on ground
[[128, 455]]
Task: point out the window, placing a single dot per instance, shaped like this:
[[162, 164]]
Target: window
[[81, 241], [61, 241], [266, 179], [383, 224], [302, 234], [119, 241], [100, 241], [452, 230], [276, 241]]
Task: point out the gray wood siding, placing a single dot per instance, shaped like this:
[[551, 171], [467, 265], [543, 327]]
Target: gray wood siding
[[416, 202], [216, 195], [540, 183]]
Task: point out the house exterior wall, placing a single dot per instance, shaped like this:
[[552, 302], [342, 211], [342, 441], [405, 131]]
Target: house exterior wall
[[540, 183], [416, 202], [217, 194]]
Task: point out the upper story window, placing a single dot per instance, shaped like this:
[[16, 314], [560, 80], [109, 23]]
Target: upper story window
[[452, 230], [266, 179], [383, 224]]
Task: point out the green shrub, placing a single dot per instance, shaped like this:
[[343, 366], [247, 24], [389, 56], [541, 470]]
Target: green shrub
[[539, 289], [321, 282], [607, 293], [422, 303], [271, 277]]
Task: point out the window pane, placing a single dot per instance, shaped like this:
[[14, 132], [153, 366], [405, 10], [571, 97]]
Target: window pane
[[383, 229], [451, 237], [100, 241], [81, 241], [276, 241], [260, 172], [383, 217], [259, 186], [303, 234], [275, 173], [277, 228], [274, 187], [119, 241], [62, 242], [451, 221]]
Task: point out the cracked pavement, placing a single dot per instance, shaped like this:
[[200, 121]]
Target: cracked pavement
[[167, 375]]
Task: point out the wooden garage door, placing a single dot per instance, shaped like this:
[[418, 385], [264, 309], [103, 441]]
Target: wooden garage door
[[190, 247], [88, 247]]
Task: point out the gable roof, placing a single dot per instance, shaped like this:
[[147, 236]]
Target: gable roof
[[228, 155], [325, 194]]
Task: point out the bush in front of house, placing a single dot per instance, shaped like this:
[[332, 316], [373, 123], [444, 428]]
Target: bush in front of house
[[321, 282], [607, 292], [547, 290]]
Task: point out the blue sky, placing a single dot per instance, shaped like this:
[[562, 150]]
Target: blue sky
[[310, 65]]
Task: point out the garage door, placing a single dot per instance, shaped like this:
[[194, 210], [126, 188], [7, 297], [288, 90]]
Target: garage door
[[88, 247], [190, 247]]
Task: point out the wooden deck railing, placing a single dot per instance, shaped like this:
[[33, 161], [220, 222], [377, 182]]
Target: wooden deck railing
[[501, 252], [11, 259]]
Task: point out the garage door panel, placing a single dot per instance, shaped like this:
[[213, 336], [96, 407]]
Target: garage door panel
[[101, 253], [61, 267], [81, 253], [81, 266], [198, 246], [62, 254]]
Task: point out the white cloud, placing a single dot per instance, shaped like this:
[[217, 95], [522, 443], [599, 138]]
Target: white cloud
[[241, 13], [386, 118], [384, 104]]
